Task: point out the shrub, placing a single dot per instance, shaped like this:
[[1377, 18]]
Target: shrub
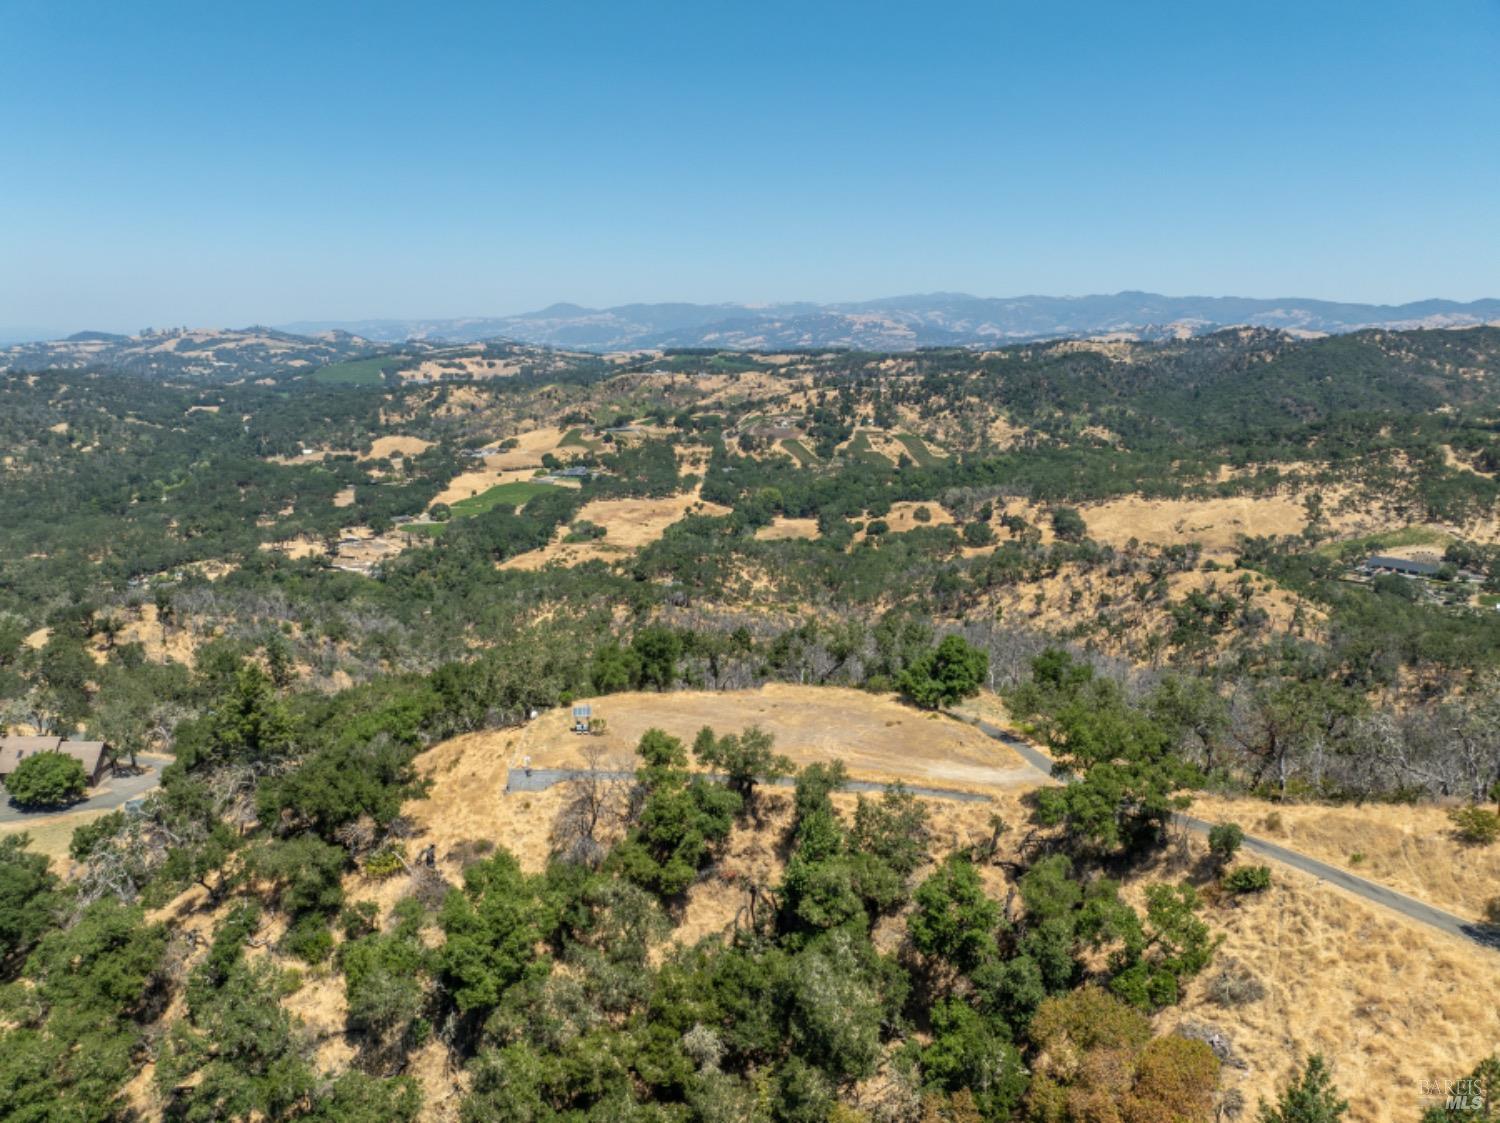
[[978, 534], [1068, 524], [1223, 841], [309, 939], [1492, 911], [1310, 1098], [952, 671], [1235, 986], [1248, 879], [47, 780], [388, 861], [1475, 825], [585, 531]]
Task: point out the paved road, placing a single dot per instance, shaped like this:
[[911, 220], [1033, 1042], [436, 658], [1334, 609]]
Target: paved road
[[1361, 887], [539, 779], [116, 790]]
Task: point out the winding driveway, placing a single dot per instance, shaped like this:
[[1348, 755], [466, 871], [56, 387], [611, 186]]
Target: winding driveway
[[539, 779], [116, 790], [1371, 891]]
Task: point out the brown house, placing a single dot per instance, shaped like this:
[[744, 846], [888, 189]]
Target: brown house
[[90, 754]]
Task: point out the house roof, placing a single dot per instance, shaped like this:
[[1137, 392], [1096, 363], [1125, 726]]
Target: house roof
[[1400, 565], [31, 744], [15, 749]]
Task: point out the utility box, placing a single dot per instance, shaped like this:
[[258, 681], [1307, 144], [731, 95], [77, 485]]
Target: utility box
[[581, 716]]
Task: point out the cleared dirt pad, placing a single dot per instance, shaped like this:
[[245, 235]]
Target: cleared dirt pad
[[875, 736]]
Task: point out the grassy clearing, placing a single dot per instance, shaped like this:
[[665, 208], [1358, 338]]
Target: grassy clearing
[[861, 449], [425, 530], [509, 495], [917, 449], [1402, 536], [803, 455], [357, 372], [52, 834], [574, 438]]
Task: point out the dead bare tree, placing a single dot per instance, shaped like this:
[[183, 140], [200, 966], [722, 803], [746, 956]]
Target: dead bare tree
[[597, 803]]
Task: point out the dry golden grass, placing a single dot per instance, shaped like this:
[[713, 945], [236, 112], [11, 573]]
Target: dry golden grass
[[466, 485], [629, 524], [176, 645], [1058, 602], [874, 735], [1003, 434], [383, 447], [297, 548], [530, 446], [461, 366], [903, 517], [1412, 849], [781, 529], [749, 386], [212, 569], [344, 497], [467, 801], [1463, 464], [311, 456], [1215, 523], [1391, 1004]]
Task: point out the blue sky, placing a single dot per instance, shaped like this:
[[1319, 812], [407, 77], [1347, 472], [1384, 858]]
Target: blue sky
[[201, 163]]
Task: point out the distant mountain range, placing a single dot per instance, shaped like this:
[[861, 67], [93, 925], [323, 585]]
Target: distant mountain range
[[212, 353], [904, 322], [896, 324]]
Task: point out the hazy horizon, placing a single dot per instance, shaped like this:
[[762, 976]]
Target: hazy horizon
[[23, 334]]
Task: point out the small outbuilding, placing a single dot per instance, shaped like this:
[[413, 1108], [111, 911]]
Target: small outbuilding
[[582, 714]]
